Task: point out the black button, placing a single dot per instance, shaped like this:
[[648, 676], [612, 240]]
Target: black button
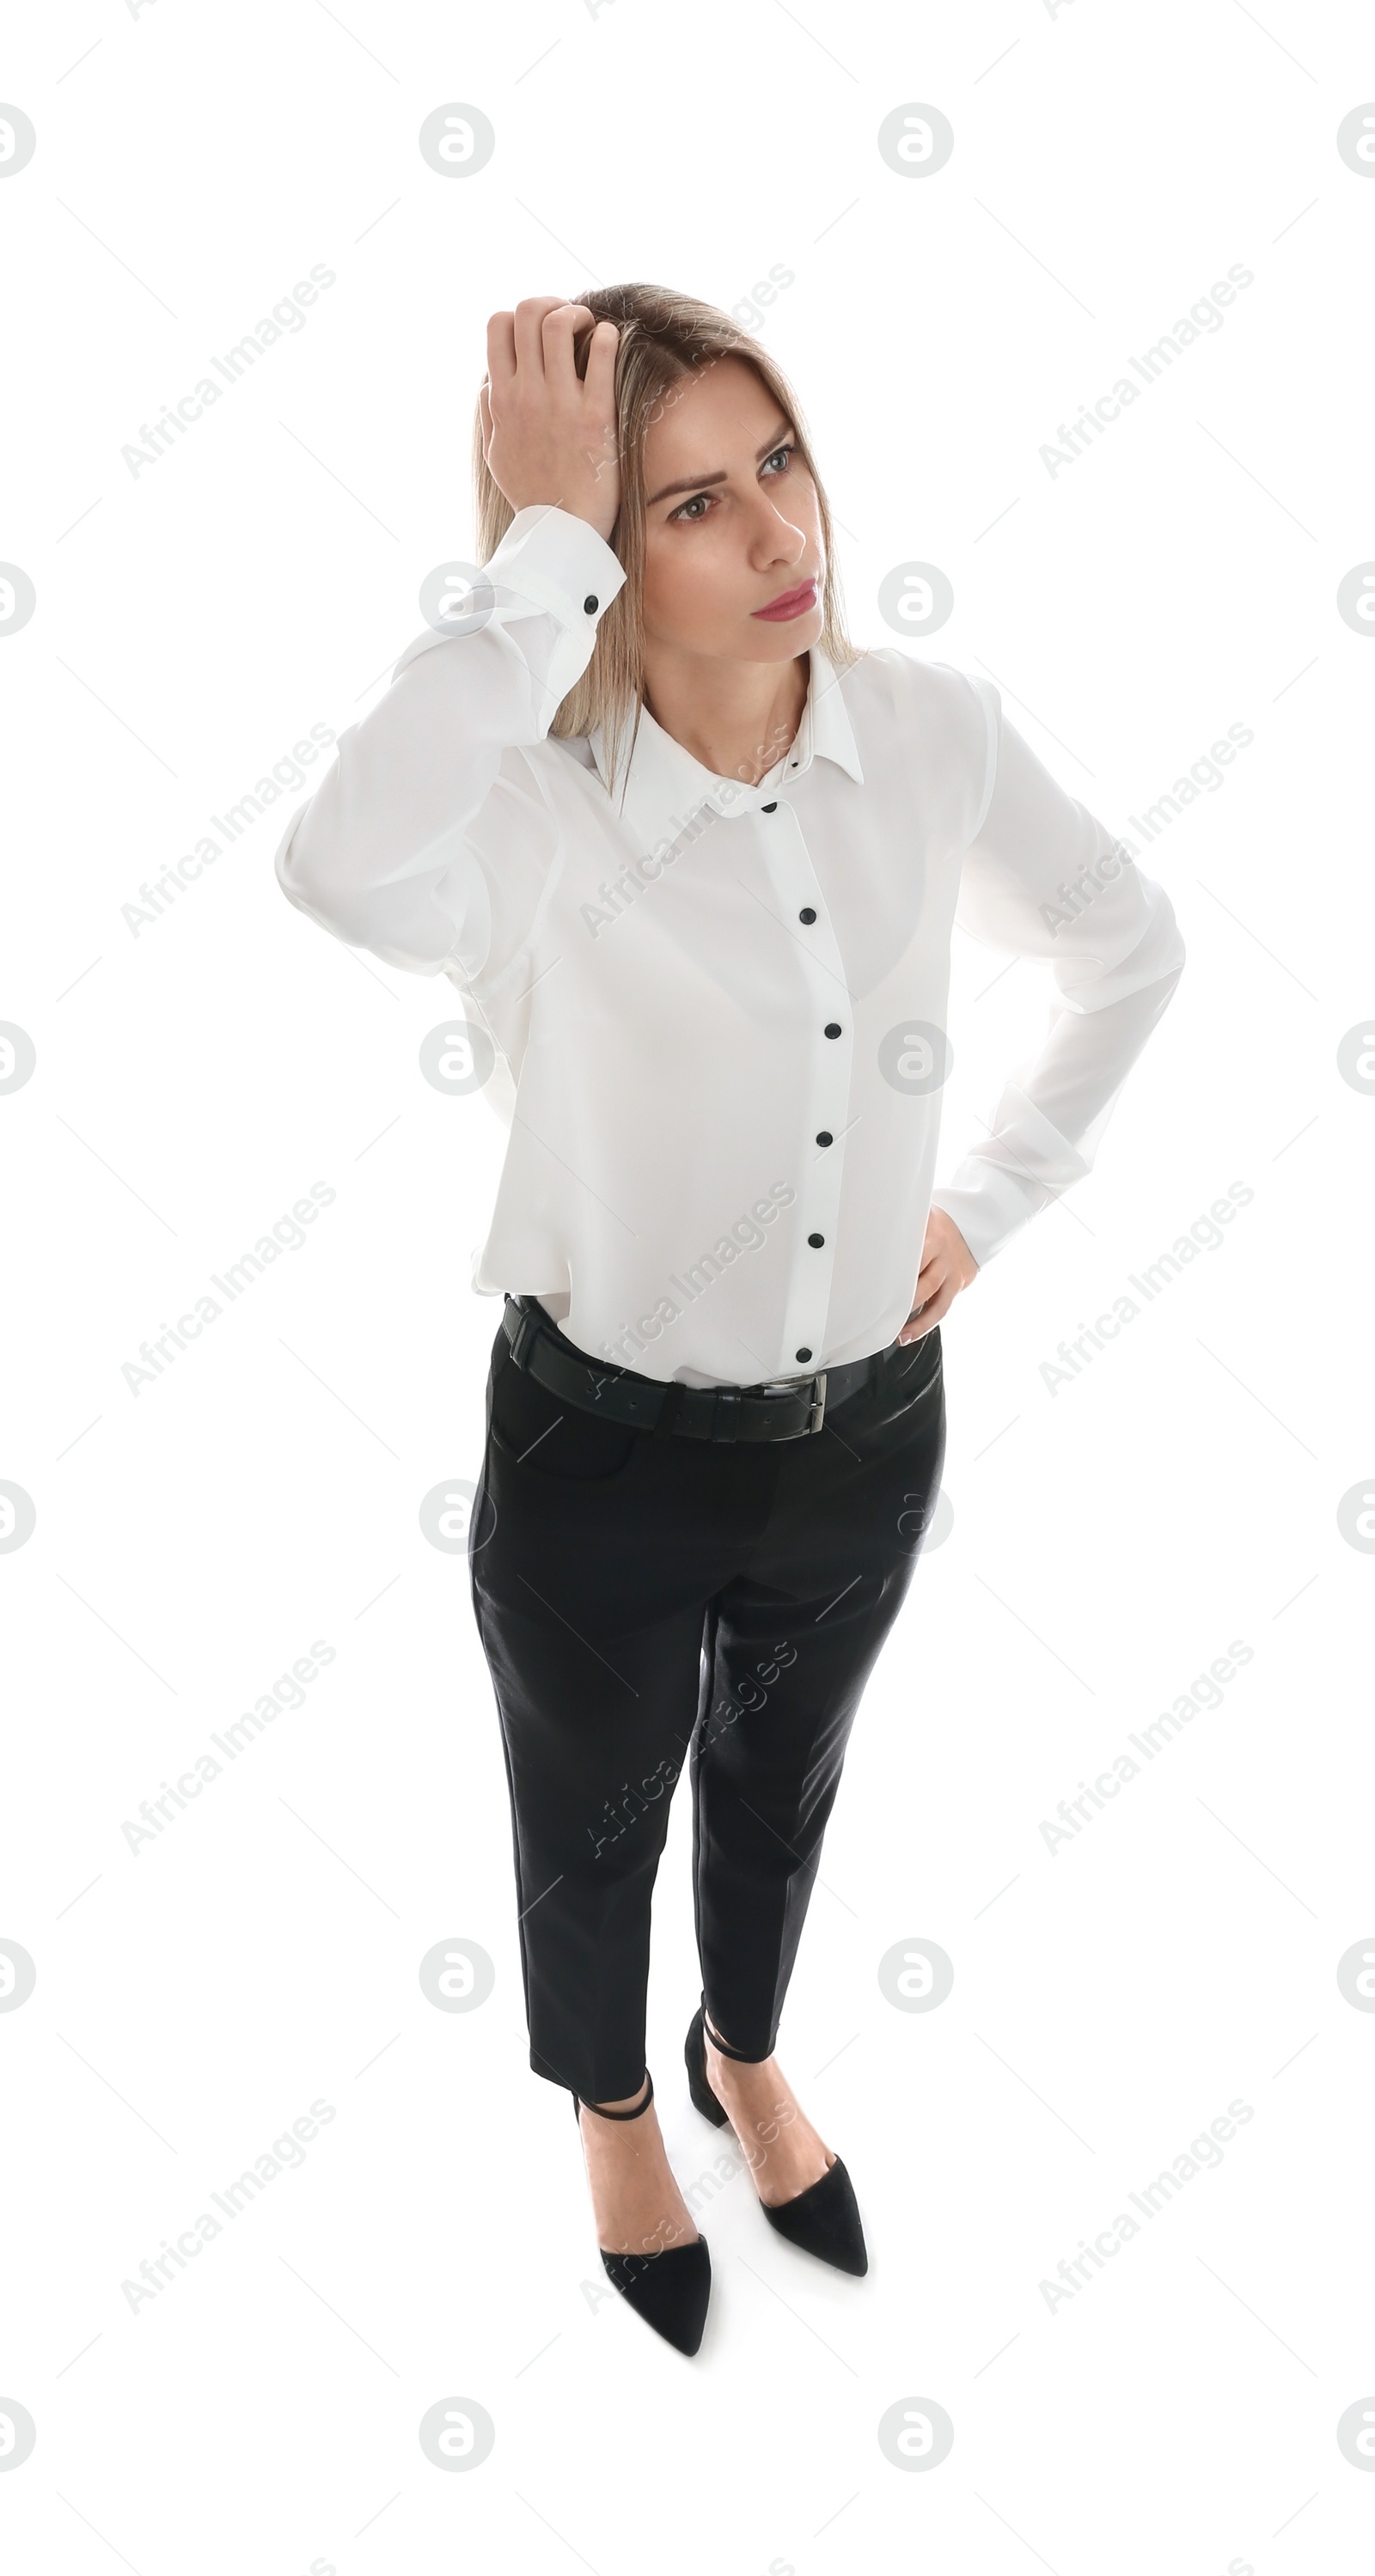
[[769, 809], [806, 914], [816, 1241], [833, 1028], [804, 1355], [590, 604], [825, 1137]]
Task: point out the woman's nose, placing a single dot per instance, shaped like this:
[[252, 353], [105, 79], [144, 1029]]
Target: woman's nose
[[778, 540]]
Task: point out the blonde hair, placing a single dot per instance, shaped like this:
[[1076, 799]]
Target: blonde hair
[[665, 339]]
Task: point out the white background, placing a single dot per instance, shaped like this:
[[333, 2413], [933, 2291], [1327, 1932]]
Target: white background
[[1109, 1540]]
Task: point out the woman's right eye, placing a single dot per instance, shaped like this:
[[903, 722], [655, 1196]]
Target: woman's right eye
[[683, 508]]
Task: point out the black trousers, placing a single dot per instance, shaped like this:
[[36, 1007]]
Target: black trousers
[[648, 1602]]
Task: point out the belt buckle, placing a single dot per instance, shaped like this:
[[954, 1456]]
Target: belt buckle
[[814, 1388]]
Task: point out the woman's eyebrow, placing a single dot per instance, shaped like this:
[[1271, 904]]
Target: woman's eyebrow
[[695, 482]]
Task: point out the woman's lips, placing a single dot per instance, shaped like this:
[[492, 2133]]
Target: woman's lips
[[791, 603]]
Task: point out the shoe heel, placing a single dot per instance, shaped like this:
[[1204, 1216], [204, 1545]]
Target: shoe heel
[[695, 2059]]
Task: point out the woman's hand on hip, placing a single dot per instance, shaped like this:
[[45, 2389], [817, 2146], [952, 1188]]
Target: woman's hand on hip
[[549, 434], [947, 1266]]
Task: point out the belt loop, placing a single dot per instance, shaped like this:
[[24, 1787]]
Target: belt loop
[[817, 1413], [671, 1406], [725, 1420], [531, 1317]]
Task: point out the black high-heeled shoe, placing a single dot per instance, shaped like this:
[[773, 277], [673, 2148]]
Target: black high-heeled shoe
[[823, 2220], [670, 2290]]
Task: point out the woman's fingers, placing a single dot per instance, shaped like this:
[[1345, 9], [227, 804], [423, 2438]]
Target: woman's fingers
[[559, 330], [530, 316], [923, 1314], [548, 438], [947, 1266], [539, 337], [933, 1296], [501, 348], [601, 368], [562, 320], [932, 1308]]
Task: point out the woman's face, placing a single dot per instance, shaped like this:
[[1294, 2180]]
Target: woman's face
[[731, 523]]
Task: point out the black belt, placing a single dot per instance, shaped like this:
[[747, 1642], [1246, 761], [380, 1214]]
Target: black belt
[[780, 1409]]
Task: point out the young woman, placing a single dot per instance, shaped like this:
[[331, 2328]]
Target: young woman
[[694, 860]]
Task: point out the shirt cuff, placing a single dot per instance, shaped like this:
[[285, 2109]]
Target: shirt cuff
[[989, 1205], [557, 562], [551, 564], [554, 565], [1006, 1180]]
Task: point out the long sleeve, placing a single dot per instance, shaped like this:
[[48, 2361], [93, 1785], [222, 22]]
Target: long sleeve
[[1043, 878], [408, 847]]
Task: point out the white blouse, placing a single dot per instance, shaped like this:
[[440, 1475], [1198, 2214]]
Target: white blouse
[[719, 1010]]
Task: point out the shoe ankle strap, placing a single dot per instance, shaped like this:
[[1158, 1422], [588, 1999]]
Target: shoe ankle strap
[[721, 2046], [636, 2114]]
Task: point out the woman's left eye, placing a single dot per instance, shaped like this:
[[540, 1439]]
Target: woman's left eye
[[694, 511]]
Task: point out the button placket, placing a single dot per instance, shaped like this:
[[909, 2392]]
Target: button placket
[[824, 1068]]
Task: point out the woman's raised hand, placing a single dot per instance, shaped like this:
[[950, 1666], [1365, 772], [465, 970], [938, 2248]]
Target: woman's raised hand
[[548, 434]]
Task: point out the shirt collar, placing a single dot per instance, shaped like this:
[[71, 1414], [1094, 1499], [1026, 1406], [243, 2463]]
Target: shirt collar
[[666, 790]]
